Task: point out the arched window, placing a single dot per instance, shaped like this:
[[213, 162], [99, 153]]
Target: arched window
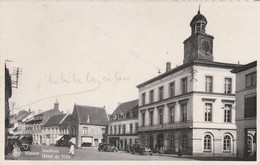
[[207, 143], [227, 143], [184, 142], [171, 141]]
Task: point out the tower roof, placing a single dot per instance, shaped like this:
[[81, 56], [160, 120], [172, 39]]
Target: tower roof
[[198, 18]]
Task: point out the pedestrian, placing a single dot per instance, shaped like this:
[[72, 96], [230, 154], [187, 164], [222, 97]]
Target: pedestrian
[[72, 148], [180, 151]]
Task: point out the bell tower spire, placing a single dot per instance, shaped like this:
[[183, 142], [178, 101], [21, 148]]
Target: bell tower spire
[[199, 46]]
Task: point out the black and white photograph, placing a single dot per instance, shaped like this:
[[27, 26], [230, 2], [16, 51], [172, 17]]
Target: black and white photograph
[[127, 80]]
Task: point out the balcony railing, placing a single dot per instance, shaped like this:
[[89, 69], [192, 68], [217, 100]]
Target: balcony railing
[[165, 126]]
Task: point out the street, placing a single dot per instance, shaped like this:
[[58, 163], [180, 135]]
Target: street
[[42, 152]]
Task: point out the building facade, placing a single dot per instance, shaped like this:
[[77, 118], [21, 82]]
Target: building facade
[[246, 111], [50, 130], [34, 125], [88, 125], [123, 125], [191, 107]]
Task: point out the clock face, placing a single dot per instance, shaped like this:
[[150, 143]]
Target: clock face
[[205, 46]]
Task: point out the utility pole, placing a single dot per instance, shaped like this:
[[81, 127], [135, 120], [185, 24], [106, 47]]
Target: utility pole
[[16, 72]]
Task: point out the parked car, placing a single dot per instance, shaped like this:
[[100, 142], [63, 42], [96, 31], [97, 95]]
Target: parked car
[[141, 149], [108, 147], [101, 146]]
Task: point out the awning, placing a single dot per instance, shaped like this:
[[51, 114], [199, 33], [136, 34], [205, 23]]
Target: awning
[[86, 140], [73, 140], [10, 131], [13, 137], [58, 137], [21, 137]]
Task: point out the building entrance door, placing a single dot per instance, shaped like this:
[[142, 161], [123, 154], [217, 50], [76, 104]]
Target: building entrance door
[[125, 144], [160, 140], [151, 142]]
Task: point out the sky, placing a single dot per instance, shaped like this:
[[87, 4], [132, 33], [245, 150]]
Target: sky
[[95, 53]]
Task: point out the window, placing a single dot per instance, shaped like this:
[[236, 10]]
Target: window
[[209, 84], [136, 141], [207, 143], [208, 112], [124, 128], [171, 112], [227, 113], [151, 96], [143, 99], [131, 128], [184, 85], [119, 129], [115, 132], [227, 144], [228, 85], [172, 89], [171, 140], [184, 112], [161, 93], [136, 127], [143, 119], [151, 117], [161, 116], [184, 142], [250, 106], [251, 80], [103, 130]]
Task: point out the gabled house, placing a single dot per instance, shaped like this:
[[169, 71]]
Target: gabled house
[[51, 131], [18, 122], [123, 125], [34, 125], [65, 125], [88, 125]]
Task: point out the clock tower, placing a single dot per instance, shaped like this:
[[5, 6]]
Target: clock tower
[[199, 46]]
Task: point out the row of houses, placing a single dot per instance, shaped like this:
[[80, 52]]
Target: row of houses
[[86, 124], [204, 107]]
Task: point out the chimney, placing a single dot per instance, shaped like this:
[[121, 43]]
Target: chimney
[[168, 66], [104, 107], [39, 111], [56, 105]]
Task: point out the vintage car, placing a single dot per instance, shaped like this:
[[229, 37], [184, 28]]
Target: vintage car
[[108, 147], [141, 149]]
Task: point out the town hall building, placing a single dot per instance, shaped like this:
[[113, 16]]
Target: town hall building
[[192, 106]]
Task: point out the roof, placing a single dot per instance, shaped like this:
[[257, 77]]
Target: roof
[[54, 120], [198, 17], [245, 67], [199, 62], [91, 115], [22, 114], [66, 121], [126, 106]]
